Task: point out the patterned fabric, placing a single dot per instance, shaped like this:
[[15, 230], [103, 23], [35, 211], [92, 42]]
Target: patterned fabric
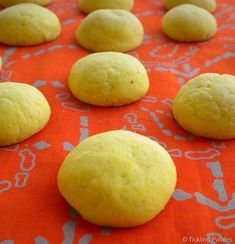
[[203, 204]]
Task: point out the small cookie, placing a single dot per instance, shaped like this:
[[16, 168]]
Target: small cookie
[[27, 25], [24, 111], [108, 79], [7, 3], [110, 30], [189, 23], [205, 106], [117, 178], [88, 6], [209, 5]]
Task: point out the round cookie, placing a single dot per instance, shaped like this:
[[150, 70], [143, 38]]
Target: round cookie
[[7, 3], [88, 6], [209, 5], [108, 79], [110, 30], [189, 23], [27, 25], [24, 111], [117, 178], [205, 106]]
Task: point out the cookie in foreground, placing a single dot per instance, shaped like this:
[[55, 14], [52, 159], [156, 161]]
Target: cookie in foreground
[[117, 178]]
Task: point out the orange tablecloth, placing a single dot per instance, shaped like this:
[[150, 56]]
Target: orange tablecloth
[[203, 205]]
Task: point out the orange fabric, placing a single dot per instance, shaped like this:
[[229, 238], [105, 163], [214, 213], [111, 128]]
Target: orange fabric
[[203, 205]]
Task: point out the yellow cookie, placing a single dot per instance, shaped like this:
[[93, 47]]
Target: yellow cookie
[[7, 3], [24, 111], [205, 106], [110, 30], [189, 23], [117, 178], [108, 79], [0, 63], [28, 24], [209, 5], [88, 6]]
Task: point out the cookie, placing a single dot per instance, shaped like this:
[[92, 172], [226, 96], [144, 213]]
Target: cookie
[[27, 25], [88, 6], [189, 23], [24, 111], [7, 3], [110, 30], [117, 178], [108, 79], [209, 5], [205, 106]]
